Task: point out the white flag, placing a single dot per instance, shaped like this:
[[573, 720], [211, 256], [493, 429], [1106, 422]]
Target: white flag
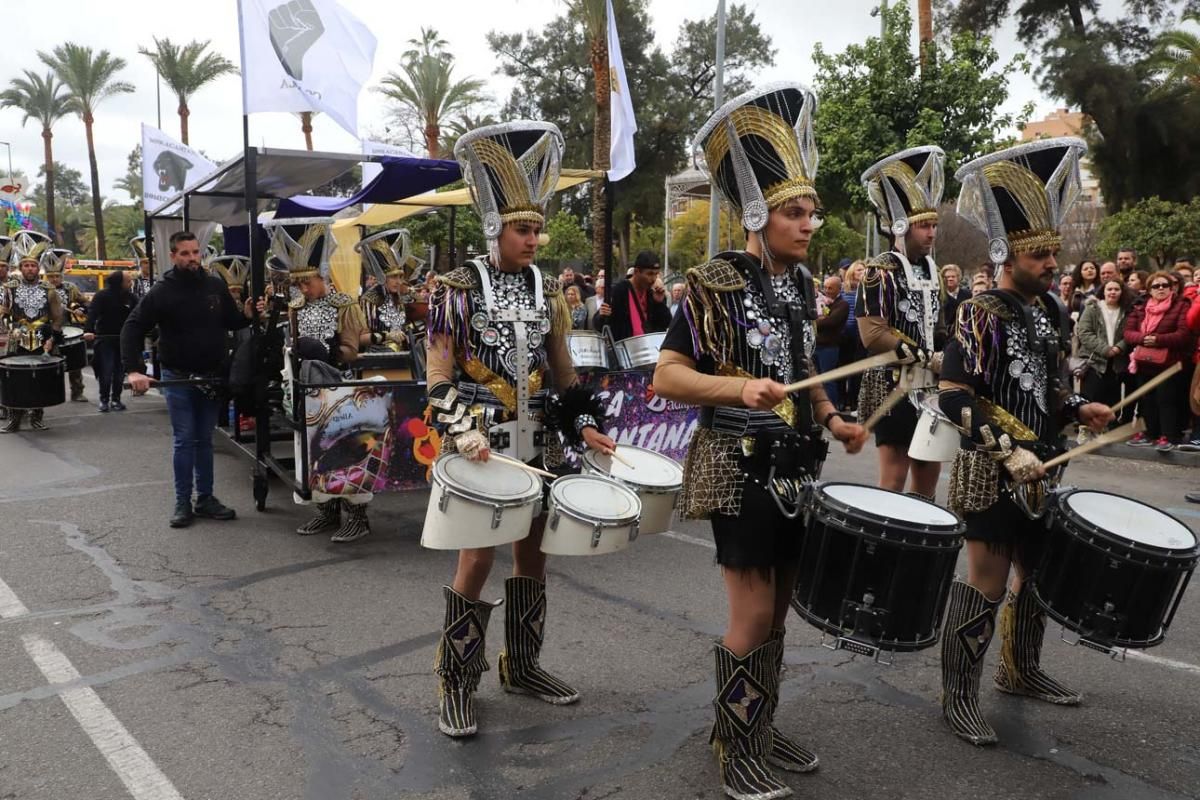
[[304, 55], [168, 167], [622, 125]]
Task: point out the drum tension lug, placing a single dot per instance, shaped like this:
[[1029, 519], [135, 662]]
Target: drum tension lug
[[1115, 653], [497, 515], [443, 501], [596, 531]]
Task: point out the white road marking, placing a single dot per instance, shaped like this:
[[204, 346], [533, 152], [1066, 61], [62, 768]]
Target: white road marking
[[133, 766], [1171, 663], [10, 605], [683, 537]]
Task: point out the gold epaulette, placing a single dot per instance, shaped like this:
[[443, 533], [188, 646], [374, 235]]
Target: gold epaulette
[[989, 304], [372, 297], [340, 299], [717, 275], [460, 278], [297, 302], [884, 261]]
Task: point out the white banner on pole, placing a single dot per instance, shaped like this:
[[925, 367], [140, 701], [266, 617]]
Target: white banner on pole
[[622, 124], [168, 166], [304, 55]]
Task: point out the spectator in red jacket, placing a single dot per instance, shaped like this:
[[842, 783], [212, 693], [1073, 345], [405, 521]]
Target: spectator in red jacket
[[1158, 333]]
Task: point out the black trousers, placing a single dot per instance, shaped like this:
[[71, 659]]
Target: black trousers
[[1102, 388], [1163, 408], [106, 364]]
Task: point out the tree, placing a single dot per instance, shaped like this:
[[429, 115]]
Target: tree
[[874, 102], [91, 79], [567, 239], [45, 99], [1176, 57], [71, 197], [425, 85], [131, 181], [832, 242], [689, 235], [460, 125], [186, 69], [1160, 229], [433, 230]]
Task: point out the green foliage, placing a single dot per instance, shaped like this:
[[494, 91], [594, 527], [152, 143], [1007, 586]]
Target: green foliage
[[1158, 229], [874, 102], [689, 235], [131, 181], [645, 237], [69, 187], [434, 229], [567, 239], [834, 241]]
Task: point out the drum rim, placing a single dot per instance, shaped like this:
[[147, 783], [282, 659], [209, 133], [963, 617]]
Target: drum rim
[[1060, 506], [816, 503], [44, 361], [589, 458], [621, 522], [442, 480]]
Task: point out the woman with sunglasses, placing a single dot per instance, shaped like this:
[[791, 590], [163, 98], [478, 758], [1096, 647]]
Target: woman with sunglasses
[[1158, 333]]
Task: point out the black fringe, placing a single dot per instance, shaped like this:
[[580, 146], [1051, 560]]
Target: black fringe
[[563, 409]]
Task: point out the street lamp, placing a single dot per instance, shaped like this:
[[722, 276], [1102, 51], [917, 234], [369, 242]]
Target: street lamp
[[881, 12], [10, 171]]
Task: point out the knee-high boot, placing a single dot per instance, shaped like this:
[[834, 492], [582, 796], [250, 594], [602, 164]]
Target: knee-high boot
[[785, 753], [460, 661], [741, 737], [1022, 629], [524, 632], [15, 417], [966, 635]]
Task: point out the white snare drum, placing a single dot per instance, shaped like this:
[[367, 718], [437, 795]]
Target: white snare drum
[[936, 438], [476, 504], [587, 350], [590, 516], [639, 351], [656, 479]]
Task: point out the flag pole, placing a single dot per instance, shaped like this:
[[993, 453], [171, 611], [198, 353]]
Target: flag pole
[[609, 199], [714, 200]]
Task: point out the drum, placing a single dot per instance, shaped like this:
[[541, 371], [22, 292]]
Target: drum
[[73, 349], [936, 438], [479, 504], [590, 516], [1113, 570], [876, 567], [587, 350], [637, 352], [32, 381], [656, 479]]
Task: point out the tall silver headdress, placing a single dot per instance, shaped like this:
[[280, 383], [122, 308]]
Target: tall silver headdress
[[307, 255], [29, 246], [137, 245], [233, 269], [759, 150], [6, 249], [1019, 197], [54, 260], [511, 170], [906, 189], [389, 253]]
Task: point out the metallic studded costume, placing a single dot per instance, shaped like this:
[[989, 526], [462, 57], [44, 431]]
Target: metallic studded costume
[[388, 255], [32, 313], [73, 303], [1003, 382]]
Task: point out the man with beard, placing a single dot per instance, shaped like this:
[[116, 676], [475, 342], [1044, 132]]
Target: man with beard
[[33, 314]]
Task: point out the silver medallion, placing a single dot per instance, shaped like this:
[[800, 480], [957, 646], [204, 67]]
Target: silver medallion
[[904, 305], [754, 338], [535, 340], [491, 337], [1026, 381], [1016, 368], [764, 327], [544, 325], [479, 320], [911, 315]]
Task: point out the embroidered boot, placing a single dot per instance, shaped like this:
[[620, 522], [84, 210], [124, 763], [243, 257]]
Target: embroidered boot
[[460, 661], [15, 416], [970, 625], [524, 632], [741, 737], [785, 753], [328, 518], [37, 419], [1022, 628], [354, 523]]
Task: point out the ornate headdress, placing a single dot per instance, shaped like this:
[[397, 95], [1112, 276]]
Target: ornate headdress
[[306, 256], [137, 246], [511, 170], [759, 150], [210, 253], [6, 249], [29, 246], [906, 188], [1019, 197], [389, 253], [233, 269], [54, 260]]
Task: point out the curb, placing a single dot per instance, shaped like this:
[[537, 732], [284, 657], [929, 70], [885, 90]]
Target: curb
[[1173, 458]]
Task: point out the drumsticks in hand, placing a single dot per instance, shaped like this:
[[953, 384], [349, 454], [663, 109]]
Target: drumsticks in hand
[[613, 454], [856, 368], [522, 465]]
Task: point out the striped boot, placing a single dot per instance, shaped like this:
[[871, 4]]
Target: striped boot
[[785, 753], [524, 632], [1022, 628], [970, 625], [327, 518], [460, 661], [354, 523], [741, 737]]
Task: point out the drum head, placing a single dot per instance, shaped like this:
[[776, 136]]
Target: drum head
[[72, 332], [892, 505], [29, 361], [595, 498], [1129, 519], [493, 481], [649, 468]]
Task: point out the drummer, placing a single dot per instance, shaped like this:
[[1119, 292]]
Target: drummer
[[33, 314], [388, 257], [477, 352], [898, 308], [745, 330], [1003, 381], [74, 307], [638, 304]]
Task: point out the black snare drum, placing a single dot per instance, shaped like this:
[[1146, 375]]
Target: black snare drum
[[876, 567], [31, 381], [73, 348], [1113, 570]]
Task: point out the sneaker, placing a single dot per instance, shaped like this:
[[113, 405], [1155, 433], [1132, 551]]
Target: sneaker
[[210, 507], [117, 405], [1139, 440], [103, 407], [1192, 497], [183, 516], [78, 398], [1192, 446], [1163, 445]]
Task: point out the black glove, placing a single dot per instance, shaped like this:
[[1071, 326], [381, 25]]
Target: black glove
[[910, 354]]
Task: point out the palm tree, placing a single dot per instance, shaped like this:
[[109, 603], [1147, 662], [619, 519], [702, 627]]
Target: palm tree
[[925, 30], [186, 68], [1176, 57], [43, 99], [91, 78], [425, 85], [455, 128], [306, 118]]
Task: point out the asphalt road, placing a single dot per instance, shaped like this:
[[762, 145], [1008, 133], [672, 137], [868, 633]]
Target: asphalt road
[[238, 660]]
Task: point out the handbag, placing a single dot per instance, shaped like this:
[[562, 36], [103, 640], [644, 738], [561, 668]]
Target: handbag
[[1150, 355]]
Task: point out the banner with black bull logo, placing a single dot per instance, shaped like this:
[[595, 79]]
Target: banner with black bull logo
[[168, 166]]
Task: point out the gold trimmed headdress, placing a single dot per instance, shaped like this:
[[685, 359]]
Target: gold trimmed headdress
[[906, 188], [759, 150], [137, 246], [389, 253], [1019, 197], [307, 255], [233, 269], [511, 170], [29, 246], [6, 249], [54, 260]]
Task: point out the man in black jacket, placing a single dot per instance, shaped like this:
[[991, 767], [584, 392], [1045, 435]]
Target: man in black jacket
[[638, 304], [107, 312], [192, 310]]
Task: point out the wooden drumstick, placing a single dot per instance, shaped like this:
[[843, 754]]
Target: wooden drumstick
[[889, 402], [1148, 386], [857, 368], [522, 465], [1115, 435], [613, 455]]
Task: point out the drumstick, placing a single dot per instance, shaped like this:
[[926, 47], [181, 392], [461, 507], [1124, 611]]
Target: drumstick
[[858, 367], [1115, 435], [522, 465], [886, 406], [613, 455], [1148, 386]]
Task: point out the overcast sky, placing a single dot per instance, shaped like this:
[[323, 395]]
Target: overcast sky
[[215, 122]]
